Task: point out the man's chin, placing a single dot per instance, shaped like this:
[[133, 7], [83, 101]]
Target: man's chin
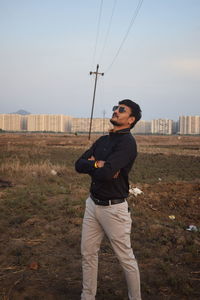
[[115, 123]]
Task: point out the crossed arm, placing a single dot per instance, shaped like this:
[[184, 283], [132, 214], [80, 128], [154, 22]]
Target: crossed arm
[[100, 164], [122, 155]]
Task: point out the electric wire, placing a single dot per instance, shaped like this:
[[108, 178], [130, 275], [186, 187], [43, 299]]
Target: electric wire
[[97, 34], [108, 30], [126, 35]]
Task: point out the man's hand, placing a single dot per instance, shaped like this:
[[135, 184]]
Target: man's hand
[[91, 158], [100, 163], [116, 174]]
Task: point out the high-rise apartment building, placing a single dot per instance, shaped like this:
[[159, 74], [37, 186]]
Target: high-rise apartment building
[[80, 124], [162, 126], [67, 123], [10, 122], [55, 123], [98, 125], [143, 127], [189, 124]]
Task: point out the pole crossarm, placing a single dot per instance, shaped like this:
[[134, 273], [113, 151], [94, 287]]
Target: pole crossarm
[[96, 73], [95, 85]]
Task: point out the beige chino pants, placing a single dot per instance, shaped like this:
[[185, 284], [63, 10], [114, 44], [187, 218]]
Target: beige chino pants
[[115, 222]]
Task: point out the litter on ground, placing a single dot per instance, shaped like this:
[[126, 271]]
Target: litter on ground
[[135, 191], [53, 172], [172, 217], [192, 228]]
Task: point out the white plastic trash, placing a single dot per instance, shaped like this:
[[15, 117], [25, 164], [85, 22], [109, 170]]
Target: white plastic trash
[[53, 172], [135, 191], [192, 228]]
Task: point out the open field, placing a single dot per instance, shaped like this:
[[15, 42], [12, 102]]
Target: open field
[[42, 204]]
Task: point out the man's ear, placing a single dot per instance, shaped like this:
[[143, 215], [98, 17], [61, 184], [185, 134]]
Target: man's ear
[[131, 120]]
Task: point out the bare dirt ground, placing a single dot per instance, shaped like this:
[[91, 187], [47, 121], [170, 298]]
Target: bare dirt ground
[[42, 204]]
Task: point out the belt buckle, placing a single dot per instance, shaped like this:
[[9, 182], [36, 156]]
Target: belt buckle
[[96, 200]]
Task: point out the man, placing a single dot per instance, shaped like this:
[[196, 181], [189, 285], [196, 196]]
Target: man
[[108, 162]]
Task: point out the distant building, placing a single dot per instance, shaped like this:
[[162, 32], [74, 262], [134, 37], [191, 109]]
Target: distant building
[[175, 127], [24, 122], [162, 126], [189, 124], [55, 123], [67, 123], [35, 123], [10, 122], [142, 127], [62, 123], [99, 125], [80, 124]]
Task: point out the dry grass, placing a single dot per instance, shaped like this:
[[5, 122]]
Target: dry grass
[[41, 216], [14, 167]]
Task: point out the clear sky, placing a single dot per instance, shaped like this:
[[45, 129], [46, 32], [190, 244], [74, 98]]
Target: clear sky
[[48, 49]]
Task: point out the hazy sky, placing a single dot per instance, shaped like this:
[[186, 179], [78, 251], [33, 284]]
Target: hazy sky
[[48, 49]]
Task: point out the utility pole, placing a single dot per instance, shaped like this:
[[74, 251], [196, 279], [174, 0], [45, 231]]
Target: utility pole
[[95, 85], [104, 113]]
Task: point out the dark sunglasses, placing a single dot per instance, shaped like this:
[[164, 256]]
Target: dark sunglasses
[[121, 109]]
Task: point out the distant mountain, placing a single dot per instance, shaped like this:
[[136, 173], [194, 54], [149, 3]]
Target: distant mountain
[[22, 112]]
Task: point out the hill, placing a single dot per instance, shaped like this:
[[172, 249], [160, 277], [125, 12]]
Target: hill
[[22, 112]]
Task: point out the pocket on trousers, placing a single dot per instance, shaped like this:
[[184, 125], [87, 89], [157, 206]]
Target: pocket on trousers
[[123, 213], [124, 221], [87, 202]]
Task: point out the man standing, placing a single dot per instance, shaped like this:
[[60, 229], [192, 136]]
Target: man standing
[[108, 162]]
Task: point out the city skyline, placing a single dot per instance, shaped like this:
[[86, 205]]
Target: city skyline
[[23, 112], [48, 49], [68, 124]]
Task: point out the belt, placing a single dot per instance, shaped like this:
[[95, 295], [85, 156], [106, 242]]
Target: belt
[[106, 202]]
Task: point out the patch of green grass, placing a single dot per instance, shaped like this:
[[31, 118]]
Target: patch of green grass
[[149, 168]]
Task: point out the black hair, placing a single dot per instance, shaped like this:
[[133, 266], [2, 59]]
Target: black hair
[[135, 110]]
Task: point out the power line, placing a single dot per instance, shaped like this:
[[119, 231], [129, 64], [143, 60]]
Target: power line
[[97, 34], [108, 30], [126, 35]]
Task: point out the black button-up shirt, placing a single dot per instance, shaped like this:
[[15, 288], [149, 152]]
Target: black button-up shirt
[[118, 150]]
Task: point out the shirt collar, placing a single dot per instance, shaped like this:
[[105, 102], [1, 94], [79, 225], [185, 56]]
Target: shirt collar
[[125, 130]]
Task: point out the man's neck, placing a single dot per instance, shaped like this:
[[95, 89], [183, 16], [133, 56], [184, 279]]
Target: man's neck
[[117, 128]]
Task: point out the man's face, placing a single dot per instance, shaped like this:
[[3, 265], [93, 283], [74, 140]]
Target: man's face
[[121, 116]]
